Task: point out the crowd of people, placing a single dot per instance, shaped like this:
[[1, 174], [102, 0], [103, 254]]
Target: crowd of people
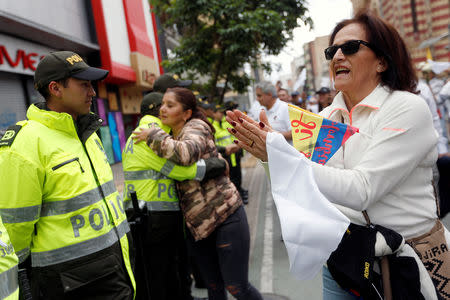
[[65, 230]]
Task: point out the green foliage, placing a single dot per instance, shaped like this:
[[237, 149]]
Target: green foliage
[[219, 36]]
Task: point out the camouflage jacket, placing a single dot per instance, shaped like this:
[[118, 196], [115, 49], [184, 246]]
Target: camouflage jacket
[[205, 204]]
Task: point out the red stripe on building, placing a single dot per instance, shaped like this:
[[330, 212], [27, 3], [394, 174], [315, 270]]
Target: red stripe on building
[[418, 13], [408, 34], [409, 24], [439, 7], [155, 32], [418, 3], [418, 60], [387, 8], [436, 18], [445, 57], [136, 27], [441, 46], [440, 27], [118, 73]]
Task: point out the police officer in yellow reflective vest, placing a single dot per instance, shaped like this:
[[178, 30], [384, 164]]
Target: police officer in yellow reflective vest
[[59, 202], [152, 178], [9, 287], [229, 150]]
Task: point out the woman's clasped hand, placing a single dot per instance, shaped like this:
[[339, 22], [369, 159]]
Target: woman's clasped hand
[[251, 135]]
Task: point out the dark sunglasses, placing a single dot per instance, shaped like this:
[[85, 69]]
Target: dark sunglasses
[[348, 48]]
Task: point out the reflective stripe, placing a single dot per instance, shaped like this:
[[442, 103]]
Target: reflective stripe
[[9, 282], [46, 258], [167, 168], [143, 174], [23, 254], [163, 206], [155, 205], [201, 170], [223, 138], [20, 214], [78, 202]]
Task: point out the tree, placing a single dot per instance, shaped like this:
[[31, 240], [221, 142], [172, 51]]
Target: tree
[[219, 36]]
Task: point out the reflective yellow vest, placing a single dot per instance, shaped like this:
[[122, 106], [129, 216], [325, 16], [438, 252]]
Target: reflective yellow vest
[[152, 176], [59, 201], [224, 138], [9, 286]]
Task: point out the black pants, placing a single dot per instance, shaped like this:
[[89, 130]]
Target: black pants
[[165, 257], [223, 259], [101, 275]]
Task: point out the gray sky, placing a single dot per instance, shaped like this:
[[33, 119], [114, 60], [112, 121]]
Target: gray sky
[[325, 15]]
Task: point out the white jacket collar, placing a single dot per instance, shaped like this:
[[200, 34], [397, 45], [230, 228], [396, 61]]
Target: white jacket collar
[[374, 101]]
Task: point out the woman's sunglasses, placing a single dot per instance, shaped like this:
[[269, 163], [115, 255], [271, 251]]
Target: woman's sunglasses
[[348, 48]]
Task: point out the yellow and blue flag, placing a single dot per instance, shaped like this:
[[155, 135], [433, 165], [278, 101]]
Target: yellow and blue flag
[[316, 137]]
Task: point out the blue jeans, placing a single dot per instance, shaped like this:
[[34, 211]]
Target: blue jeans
[[331, 290], [222, 259]]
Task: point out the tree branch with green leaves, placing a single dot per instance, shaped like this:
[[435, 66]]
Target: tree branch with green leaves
[[219, 36]]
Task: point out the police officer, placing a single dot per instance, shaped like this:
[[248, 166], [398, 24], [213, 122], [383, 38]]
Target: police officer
[[9, 287], [167, 81], [59, 202], [152, 178], [226, 146]]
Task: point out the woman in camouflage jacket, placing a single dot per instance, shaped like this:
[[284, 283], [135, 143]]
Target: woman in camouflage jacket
[[212, 208]]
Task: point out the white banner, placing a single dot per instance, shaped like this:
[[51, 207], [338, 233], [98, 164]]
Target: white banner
[[311, 226]]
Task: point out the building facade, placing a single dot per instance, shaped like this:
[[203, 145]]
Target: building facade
[[316, 65], [423, 24], [117, 35]]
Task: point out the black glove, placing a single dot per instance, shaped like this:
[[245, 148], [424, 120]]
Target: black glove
[[214, 167]]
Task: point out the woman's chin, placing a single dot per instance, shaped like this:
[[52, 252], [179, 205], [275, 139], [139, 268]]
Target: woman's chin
[[341, 85]]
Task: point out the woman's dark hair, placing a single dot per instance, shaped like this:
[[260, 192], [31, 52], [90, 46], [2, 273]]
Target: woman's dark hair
[[188, 101], [400, 74]]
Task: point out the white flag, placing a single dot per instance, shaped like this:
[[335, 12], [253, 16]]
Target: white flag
[[311, 226]]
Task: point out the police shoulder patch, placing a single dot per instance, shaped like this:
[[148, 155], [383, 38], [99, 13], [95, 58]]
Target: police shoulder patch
[[10, 135]]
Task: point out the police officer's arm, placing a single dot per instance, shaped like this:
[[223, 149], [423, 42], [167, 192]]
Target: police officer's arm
[[21, 198], [195, 171], [202, 169]]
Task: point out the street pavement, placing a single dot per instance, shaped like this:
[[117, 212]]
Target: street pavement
[[269, 264]]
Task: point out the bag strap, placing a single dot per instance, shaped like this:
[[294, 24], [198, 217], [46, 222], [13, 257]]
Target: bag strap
[[366, 217], [384, 264], [438, 206]]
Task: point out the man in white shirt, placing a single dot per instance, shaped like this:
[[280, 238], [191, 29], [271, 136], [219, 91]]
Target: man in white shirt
[[276, 110], [426, 94], [441, 174]]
